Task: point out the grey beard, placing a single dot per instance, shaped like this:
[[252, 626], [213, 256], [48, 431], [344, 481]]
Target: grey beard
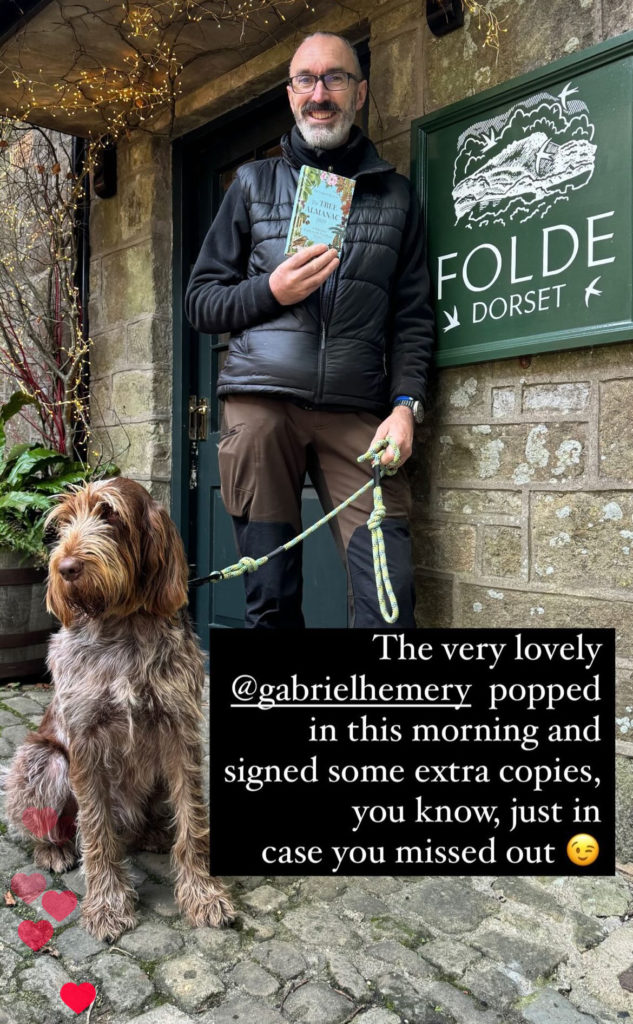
[[326, 137]]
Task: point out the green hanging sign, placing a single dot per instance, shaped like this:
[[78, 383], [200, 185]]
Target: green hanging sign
[[527, 192]]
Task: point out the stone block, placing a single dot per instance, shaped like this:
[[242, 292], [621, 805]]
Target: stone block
[[317, 1003], [44, 977], [23, 705], [137, 394], [481, 505], [445, 546], [451, 957], [491, 986], [615, 429], [151, 941], [76, 944], [624, 809], [165, 1014], [254, 979], [449, 904], [550, 1007], [490, 607], [108, 353], [395, 64], [556, 398], [400, 995], [188, 980], [346, 977], [149, 340], [502, 551], [617, 17], [282, 958], [516, 453], [242, 1011], [135, 281], [462, 391], [265, 899], [409, 960], [575, 535], [533, 960], [397, 19], [140, 450], [317, 926], [123, 984], [147, 152], [624, 704], [504, 401]]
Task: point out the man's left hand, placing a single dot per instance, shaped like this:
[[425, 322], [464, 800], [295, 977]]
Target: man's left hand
[[398, 426]]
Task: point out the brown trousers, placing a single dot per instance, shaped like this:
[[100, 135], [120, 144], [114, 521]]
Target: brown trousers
[[266, 448]]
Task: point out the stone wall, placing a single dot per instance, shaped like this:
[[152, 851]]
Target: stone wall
[[131, 315]]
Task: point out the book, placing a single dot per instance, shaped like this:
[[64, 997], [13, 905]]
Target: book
[[321, 210]]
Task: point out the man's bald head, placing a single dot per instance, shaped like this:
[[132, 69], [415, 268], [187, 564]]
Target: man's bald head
[[325, 116]]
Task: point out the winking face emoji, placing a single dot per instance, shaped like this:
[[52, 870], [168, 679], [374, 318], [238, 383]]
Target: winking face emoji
[[582, 849]]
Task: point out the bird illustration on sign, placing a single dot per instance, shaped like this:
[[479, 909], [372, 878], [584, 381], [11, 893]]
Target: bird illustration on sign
[[521, 162]]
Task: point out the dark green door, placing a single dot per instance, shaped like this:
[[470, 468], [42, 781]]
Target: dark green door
[[204, 166]]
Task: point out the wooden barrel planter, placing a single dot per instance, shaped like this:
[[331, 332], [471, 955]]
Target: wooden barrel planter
[[25, 625]]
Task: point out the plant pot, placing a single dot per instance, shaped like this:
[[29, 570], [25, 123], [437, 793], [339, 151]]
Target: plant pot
[[25, 625]]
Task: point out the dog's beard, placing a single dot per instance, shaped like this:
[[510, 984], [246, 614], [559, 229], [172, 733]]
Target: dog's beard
[[329, 135]]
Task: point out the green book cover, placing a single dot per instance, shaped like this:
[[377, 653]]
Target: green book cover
[[320, 211]]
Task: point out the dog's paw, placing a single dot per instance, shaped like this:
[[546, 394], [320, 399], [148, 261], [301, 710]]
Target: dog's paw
[[105, 921], [55, 858], [205, 902]]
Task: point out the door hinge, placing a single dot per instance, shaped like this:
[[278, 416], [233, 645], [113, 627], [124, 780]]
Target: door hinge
[[198, 418]]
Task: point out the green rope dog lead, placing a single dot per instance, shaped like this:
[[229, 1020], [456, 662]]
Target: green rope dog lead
[[374, 524]]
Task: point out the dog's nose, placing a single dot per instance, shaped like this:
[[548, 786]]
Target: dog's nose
[[70, 568]]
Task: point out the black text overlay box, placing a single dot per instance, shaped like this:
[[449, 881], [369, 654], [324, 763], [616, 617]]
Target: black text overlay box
[[412, 752]]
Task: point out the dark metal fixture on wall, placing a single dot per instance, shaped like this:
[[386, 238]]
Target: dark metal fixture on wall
[[444, 16]]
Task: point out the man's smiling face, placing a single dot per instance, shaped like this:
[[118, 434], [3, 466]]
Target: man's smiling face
[[325, 118]]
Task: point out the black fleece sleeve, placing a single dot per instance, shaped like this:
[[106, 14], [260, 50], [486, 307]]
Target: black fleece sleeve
[[219, 296], [413, 321]]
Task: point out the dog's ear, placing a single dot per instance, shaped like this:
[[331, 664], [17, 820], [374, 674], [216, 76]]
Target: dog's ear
[[164, 565]]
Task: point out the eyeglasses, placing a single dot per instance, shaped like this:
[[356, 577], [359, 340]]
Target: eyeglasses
[[334, 81]]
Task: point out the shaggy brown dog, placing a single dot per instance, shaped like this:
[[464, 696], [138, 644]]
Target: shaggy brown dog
[[120, 741]]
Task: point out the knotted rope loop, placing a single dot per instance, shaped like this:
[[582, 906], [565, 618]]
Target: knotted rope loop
[[384, 589], [374, 524]]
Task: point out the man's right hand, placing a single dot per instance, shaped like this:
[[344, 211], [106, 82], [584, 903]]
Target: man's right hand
[[301, 274]]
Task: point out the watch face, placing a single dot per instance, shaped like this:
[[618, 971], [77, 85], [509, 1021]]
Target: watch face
[[418, 412]]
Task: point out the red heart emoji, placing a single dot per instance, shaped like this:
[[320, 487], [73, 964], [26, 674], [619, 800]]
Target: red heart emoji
[[28, 887], [78, 997], [59, 904], [35, 933], [40, 821]]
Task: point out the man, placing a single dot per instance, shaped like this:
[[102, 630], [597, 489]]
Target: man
[[327, 354]]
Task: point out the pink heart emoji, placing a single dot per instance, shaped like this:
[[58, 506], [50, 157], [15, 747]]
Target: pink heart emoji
[[59, 904], [78, 997], [35, 933], [28, 887], [40, 821]]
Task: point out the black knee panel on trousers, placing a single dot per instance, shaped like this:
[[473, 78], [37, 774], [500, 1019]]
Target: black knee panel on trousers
[[274, 591], [365, 612]]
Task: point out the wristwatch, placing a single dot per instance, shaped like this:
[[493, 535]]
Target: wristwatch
[[413, 404]]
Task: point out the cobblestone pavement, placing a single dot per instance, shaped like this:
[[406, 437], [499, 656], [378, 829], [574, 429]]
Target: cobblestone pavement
[[325, 950]]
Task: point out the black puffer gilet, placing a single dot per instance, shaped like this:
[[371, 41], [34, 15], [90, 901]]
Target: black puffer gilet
[[331, 350]]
